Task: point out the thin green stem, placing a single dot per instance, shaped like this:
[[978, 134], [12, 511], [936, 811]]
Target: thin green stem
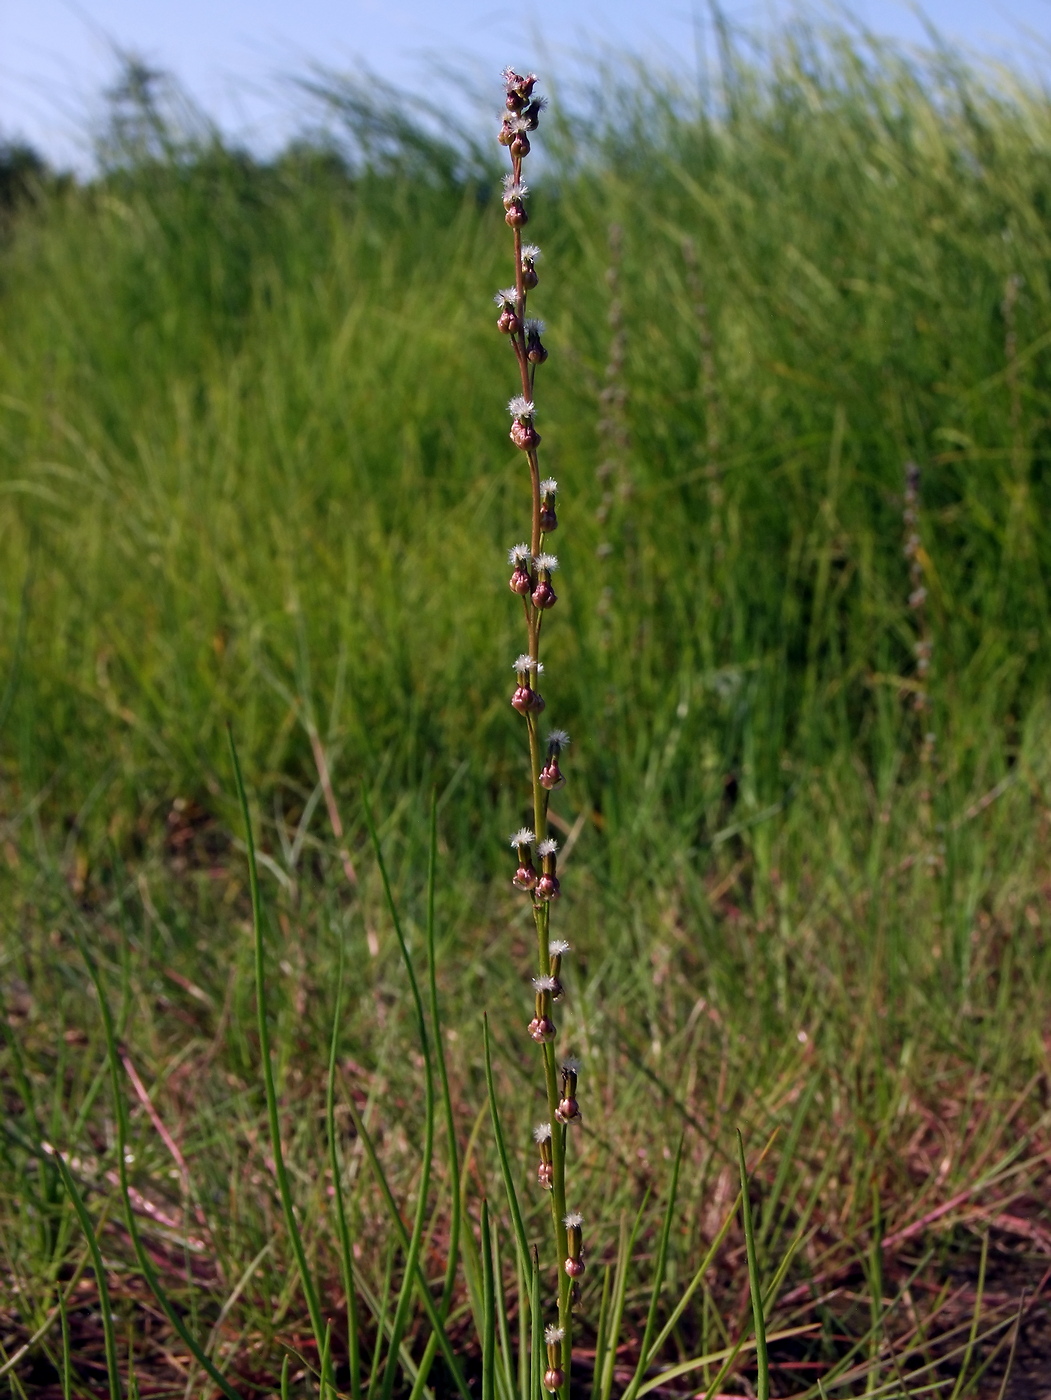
[[105, 1307], [273, 1116], [346, 1250]]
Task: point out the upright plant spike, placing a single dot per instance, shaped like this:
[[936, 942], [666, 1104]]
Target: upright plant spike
[[532, 568]]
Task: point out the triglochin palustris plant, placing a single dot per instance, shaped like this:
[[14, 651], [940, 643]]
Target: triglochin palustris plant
[[532, 569]]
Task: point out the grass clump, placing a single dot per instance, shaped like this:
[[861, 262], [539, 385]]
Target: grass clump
[[246, 410]]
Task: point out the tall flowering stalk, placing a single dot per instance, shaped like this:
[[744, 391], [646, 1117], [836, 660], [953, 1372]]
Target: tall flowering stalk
[[532, 571]]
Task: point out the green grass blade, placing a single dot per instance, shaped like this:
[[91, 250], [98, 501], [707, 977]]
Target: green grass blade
[[788, 1153], [761, 1357], [381, 1313], [105, 1307], [501, 1149], [488, 1338], [506, 1352], [698, 1278], [658, 1279], [724, 1370], [346, 1250], [452, 1151], [324, 1363], [443, 1071], [537, 1353], [979, 1294], [408, 1287], [273, 1118], [625, 1252], [402, 1238], [601, 1330]]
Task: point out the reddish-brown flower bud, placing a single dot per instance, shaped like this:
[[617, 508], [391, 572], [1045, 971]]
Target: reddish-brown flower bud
[[508, 323], [548, 888], [542, 1029], [521, 560], [548, 519], [554, 1376], [551, 776], [516, 216], [525, 876], [574, 1265], [544, 595], [567, 1111], [536, 352], [524, 434], [542, 1138], [520, 145], [529, 277]]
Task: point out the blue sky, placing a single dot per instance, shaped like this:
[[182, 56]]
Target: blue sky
[[235, 56]]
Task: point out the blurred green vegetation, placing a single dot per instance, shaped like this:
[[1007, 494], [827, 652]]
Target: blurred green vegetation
[[254, 467]]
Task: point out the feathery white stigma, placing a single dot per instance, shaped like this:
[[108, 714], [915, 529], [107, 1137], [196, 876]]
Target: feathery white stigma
[[553, 1334], [547, 561], [573, 1220], [558, 947], [525, 662], [520, 407], [514, 189], [506, 296], [571, 1064], [534, 327], [549, 486], [547, 847], [520, 554], [531, 253], [544, 984], [558, 738], [542, 1132], [522, 837]]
